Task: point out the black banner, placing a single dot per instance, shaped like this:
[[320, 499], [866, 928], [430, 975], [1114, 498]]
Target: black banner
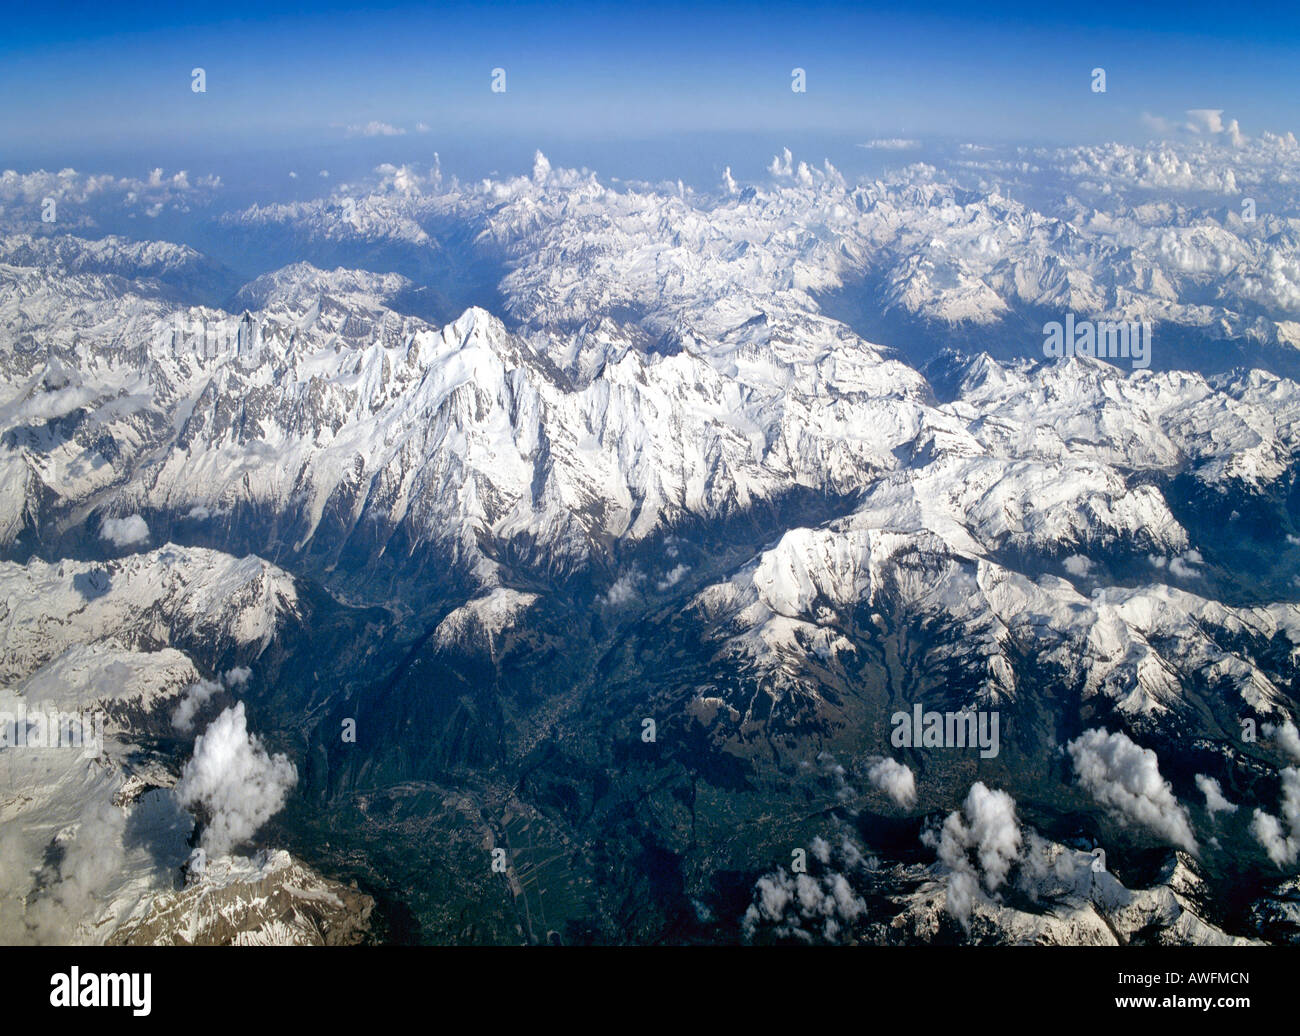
[[150, 986]]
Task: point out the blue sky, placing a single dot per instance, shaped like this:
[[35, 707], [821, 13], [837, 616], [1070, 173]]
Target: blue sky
[[75, 78]]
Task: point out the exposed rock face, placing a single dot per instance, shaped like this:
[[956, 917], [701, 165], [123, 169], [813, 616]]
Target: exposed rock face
[[270, 900], [1070, 904]]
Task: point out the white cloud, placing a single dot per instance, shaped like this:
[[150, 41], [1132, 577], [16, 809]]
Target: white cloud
[[196, 696], [43, 406], [1182, 565], [891, 144], [1157, 123], [1214, 800], [1077, 565], [810, 908], [988, 830], [624, 589], [1125, 778], [1118, 166], [375, 129], [81, 196], [894, 779], [1287, 737], [233, 779], [1282, 848], [673, 577], [1205, 120], [92, 860], [124, 532], [1200, 122]]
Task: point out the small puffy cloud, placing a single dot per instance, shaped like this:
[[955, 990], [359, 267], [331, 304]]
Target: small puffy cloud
[[124, 532], [1286, 735], [238, 676], [672, 577], [1077, 565], [1209, 121], [891, 144], [84, 198], [1185, 565], [624, 590], [405, 180], [820, 907], [541, 167], [1200, 122], [1281, 838], [195, 697], [1182, 566], [45, 406], [894, 779], [1125, 778], [375, 129], [1214, 800], [978, 844], [1157, 124], [235, 781], [782, 164], [1205, 120], [790, 906], [844, 791], [1118, 166]]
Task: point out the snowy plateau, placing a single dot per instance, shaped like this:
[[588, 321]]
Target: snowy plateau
[[375, 526]]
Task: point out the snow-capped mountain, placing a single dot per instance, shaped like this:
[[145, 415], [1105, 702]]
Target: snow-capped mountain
[[272, 901], [667, 478]]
